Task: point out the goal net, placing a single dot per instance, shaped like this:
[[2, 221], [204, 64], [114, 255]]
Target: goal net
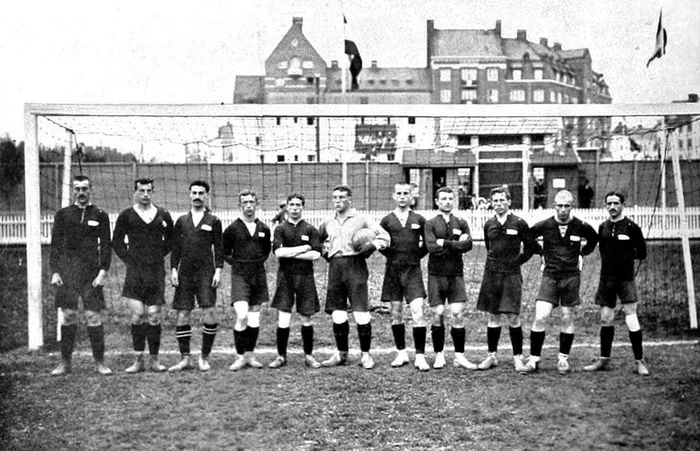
[[651, 153]]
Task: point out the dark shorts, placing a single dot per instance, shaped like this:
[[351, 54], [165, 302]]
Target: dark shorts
[[610, 288], [145, 283], [500, 292], [441, 288], [191, 286], [403, 282], [77, 284], [562, 292], [347, 279], [251, 288], [301, 287]]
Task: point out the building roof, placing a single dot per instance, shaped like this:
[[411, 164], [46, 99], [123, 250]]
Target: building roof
[[374, 79], [478, 43], [249, 89]]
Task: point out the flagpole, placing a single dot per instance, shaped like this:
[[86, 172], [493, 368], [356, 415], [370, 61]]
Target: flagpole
[[344, 61]]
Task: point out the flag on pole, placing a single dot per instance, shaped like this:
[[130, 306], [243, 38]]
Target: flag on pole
[[661, 38], [355, 59]]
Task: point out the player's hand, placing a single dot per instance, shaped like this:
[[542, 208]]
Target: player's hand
[[100, 279], [542, 265], [174, 280], [463, 237], [216, 280], [580, 262], [440, 242], [56, 280], [367, 250]]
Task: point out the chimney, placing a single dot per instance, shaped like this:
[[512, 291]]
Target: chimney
[[497, 30], [544, 42], [557, 47], [522, 35], [297, 21], [334, 64], [430, 31], [374, 64]]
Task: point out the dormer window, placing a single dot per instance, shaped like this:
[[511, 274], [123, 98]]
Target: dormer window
[[294, 67]]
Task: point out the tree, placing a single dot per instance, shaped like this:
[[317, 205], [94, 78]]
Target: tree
[[11, 166]]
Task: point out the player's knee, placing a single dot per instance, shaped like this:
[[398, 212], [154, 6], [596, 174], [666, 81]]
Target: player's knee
[[362, 317], [254, 319], [284, 320], [93, 318], [339, 316], [632, 322], [514, 321]]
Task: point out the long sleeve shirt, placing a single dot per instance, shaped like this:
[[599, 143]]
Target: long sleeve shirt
[[562, 245], [247, 253], [508, 245], [407, 241], [137, 242], [302, 233], [621, 242], [196, 247], [336, 233], [446, 260], [80, 238]]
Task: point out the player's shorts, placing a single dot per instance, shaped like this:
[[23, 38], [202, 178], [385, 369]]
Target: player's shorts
[[77, 284], [191, 286], [450, 288], [301, 287], [251, 288], [564, 292], [347, 279], [403, 282], [145, 283], [610, 288], [500, 292]]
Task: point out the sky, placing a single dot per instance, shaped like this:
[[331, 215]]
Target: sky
[[173, 52]]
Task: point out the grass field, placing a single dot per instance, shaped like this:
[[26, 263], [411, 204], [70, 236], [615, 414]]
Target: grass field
[[350, 408]]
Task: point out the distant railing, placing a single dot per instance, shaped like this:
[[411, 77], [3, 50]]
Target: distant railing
[[655, 223]]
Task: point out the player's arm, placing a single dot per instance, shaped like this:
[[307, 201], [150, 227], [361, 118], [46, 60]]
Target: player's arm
[[423, 249], [591, 239], [57, 251], [640, 245], [535, 232], [167, 233], [266, 241], [105, 248], [464, 242], [176, 252], [118, 244], [382, 239], [323, 239], [384, 224], [315, 244], [217, 244], [431, 240], [529, 244]]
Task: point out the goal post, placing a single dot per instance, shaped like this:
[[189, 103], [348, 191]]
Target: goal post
[[348, 141]]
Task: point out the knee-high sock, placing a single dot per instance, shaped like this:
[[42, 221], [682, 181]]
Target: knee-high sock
[[493, 334], [399, 331], [68, 340], [438, 334], [138, 336], [251, 338], [565, 342], [307, 339], [184, 334], [282, 340], [536, 343], [419, 334], [341, 332], [364, 332], [97, 341], [458, 335], [516, 339], [607, 335], [239, 337], [636, 340], [153, 332], [208, 336]]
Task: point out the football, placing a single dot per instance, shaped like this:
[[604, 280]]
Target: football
[[362, 237]]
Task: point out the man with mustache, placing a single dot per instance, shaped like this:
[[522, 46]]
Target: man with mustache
[[81, 254], [196, 261]]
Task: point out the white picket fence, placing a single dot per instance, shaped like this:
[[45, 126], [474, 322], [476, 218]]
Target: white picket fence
[[655, 223]]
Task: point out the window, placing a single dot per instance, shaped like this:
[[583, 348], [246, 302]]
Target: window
[[464, 140], [364, 100], [311, 99], [468, 95], [390, 157], [538, 74], [282, 65], [278, 120], [280, 158], [469, 75], [308, 65], [412, 139], [517, 74], [445, 75], [559, 97], [493, 95], [311, 158], [296, 157], [517, 95], [370, 81], [690, 143], [445, 96], [310, 121], [258, 140], [552, 97], [294, 67], [492, 74], [538, 95], [411, 120]]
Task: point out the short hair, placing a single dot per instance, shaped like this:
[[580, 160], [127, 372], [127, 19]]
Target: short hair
[[143, 181], [247, 192], [564, 192], [201, 183], [345, 188], [614, 193], [500, 190], [82, 178], [297, 196], [444, 189]]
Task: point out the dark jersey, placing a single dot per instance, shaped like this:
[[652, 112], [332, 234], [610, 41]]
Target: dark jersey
[[561, 253], [407, 243], [446, 260], [292, 235], [245, 253], [196, 247], [503, 244], [80, 237], [147, 243], [621, 242]]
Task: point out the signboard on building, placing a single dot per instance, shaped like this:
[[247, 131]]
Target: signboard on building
[[373, 139]]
